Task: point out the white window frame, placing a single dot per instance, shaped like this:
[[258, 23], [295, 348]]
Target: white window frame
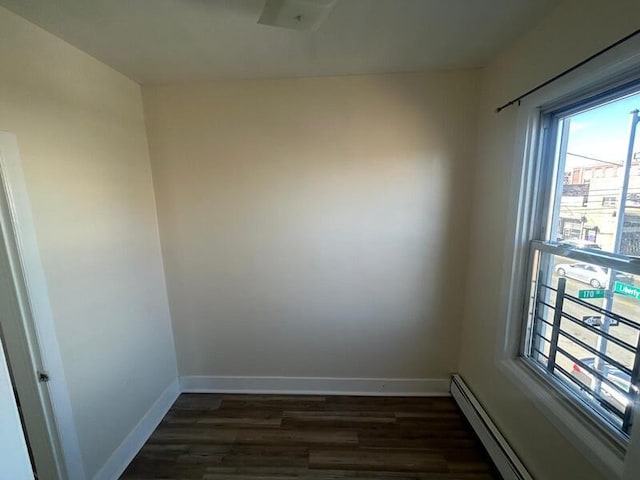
[[588, 435]]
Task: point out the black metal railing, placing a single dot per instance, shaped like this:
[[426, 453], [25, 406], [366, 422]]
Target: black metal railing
[[609, 383]]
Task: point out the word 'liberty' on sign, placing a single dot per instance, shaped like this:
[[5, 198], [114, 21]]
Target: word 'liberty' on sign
[[626, 289]]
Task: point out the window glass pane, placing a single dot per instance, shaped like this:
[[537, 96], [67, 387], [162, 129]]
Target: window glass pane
[[583, 315], [583, 330], [592, 151]]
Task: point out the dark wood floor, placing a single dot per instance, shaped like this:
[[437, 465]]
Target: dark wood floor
[[248, 437]]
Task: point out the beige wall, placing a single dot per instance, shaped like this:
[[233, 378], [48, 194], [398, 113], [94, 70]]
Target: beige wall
[[315, 227], [80, 129], [310, 227], [576, 29]]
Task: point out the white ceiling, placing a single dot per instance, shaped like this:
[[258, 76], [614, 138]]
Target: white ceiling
[[158, 41]]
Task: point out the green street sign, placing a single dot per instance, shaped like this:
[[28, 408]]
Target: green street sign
[[626, 289], [591, 293]]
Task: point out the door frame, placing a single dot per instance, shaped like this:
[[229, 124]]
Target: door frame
[[28, 326]]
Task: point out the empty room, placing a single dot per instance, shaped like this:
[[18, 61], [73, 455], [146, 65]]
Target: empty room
[[319, 239]]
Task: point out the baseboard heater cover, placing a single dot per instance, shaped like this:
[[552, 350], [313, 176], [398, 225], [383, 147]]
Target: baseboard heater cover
[[503, 456]]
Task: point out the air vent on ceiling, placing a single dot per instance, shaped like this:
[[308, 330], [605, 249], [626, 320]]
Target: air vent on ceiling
[[296, 14]]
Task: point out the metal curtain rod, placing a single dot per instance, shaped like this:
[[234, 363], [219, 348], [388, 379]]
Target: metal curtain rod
[[567, 71]]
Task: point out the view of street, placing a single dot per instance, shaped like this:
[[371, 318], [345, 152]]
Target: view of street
[[622, 305], [595, 209], [589, 321]]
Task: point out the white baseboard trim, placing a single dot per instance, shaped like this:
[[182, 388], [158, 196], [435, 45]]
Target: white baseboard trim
[[503, 456], [131, 445], [416, 387]]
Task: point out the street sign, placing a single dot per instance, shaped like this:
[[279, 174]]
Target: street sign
[[626, 289], [592, 320], [596, 321], [591, 293]]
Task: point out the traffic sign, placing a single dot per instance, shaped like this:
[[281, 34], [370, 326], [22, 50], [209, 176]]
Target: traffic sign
[[596, 321], [591, 293], [592, 320], [626, 289]]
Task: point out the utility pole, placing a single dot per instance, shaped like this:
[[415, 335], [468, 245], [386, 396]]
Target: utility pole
[[617, 241]]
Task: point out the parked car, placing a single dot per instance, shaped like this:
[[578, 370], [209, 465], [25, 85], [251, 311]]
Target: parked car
[[594, 275], [615, 398]]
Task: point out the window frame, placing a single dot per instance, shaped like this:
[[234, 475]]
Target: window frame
[[544, 198], [601, 76], [591, 257]]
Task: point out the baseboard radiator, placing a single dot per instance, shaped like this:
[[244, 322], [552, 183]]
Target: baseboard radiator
[[503, 456]]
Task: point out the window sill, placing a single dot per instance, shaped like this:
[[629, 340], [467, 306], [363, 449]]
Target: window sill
[[604, 448]]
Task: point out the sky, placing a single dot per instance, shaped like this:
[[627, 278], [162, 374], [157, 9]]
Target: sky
[[602, 133]]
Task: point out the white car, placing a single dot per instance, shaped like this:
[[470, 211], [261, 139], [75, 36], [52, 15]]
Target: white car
[[610, 395], [594, 275]]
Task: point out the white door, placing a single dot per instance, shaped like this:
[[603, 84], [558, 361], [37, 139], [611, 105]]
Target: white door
[[14, 456], [30, 342]]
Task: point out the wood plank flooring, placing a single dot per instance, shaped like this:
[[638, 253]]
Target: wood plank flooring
[[275, 437]]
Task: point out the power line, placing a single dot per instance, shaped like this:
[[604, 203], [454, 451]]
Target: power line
[[594, 159]]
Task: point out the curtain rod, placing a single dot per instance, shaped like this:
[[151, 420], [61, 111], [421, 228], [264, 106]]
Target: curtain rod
[[567, 71]]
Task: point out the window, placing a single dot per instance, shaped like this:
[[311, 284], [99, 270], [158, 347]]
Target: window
[[588, 173], [583, 305]]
